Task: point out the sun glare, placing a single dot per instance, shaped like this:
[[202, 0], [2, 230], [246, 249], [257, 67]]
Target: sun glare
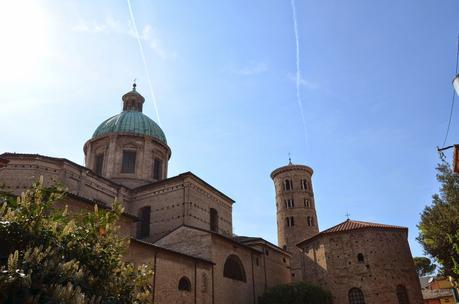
[[24, 32]]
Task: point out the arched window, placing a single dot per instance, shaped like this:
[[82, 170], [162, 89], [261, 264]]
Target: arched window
[[310, 221], [213, 220], [184, 284], [360, 258], [402, 295], [288, 184], [356, 296], [234, 269]]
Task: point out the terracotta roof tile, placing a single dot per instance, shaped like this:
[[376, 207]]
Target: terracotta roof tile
[[352, 225], [349, 225]]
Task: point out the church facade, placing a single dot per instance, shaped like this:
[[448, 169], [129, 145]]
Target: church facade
[[182, 226]]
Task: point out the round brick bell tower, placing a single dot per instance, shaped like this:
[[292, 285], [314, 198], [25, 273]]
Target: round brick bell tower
[[296, 213]]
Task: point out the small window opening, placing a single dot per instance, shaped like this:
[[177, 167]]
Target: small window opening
[[157, 172], [144, 215], [310, 221], [99, 164], [184, 284], [128, 165], [304, 184], [355, 296], [360, 258], [213, 220], [402, 295], [288, 184]]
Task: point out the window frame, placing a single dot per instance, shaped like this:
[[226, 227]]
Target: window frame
[[184, 284], [157, 169], [234, 269], [128, 164]]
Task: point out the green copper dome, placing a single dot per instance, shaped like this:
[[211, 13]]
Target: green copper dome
[[131, 120]]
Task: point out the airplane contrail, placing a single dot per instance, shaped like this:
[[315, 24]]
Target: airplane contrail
[[298, 71], [142, 54]]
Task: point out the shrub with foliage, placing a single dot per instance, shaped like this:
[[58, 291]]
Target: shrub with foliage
[[50, 256], [296, 293]]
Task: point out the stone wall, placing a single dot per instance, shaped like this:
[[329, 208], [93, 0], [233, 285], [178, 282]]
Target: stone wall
[[264, 266], [181, 200], [24, 169], [169, 267], [332, 261]]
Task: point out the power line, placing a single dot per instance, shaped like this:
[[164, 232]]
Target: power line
[[454, 96], [142, 54]]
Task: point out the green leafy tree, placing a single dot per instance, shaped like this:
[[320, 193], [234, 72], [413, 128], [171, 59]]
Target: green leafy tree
[[439, 225], [296, 293], [424, 266], [50, 256]]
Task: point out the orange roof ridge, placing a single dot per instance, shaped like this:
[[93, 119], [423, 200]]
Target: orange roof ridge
[[349, 225]]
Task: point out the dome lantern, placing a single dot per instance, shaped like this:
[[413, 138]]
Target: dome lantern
[[133, 101]]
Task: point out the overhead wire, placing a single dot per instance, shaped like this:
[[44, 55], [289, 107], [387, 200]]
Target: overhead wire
[[453, 98], [142, 54]]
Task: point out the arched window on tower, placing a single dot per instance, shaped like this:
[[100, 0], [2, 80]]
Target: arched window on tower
[[290, 221], [213, 220], [184, 284], [310, 221], [234, 269], [402, 295], [307, 203], [304, 184], [288, 185], [355, 296], [360, 258]]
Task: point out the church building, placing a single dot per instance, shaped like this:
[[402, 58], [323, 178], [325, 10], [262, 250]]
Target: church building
[[182, 225]]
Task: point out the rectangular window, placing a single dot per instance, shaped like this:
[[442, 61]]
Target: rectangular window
[[99, 165], [128, 165], [157, 169], [213, 220], [144, 215]]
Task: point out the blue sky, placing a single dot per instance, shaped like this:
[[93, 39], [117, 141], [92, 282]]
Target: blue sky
[[375, 87]]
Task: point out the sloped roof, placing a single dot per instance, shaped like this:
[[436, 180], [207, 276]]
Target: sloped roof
[[428, 294], [350, 225], [249, 240]]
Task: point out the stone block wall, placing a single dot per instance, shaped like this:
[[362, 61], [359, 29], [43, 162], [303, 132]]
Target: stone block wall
[[332, 261]]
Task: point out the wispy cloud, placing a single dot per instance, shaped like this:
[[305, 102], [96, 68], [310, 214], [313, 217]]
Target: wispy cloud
[[109, 25], [253, 68], [308, 84]]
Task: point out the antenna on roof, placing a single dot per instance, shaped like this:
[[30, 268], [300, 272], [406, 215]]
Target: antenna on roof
[[348, 215], [289, 159]]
